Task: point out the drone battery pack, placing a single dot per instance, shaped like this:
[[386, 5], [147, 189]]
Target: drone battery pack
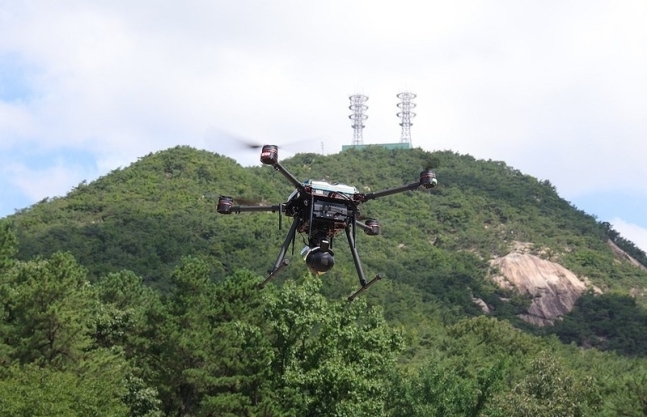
[[329, 210]]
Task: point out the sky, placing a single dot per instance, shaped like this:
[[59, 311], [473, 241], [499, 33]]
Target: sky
[[556, 89]]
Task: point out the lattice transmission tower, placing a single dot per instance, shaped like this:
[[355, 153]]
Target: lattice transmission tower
[[406, 105], [358, 106]]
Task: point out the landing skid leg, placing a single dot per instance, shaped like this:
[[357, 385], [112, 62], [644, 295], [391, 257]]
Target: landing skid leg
[[358, 267], [274, 273], [281, 262], [365, 287]]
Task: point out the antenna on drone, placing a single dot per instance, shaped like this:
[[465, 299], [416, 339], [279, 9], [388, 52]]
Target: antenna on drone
[[358, 117], [405, 114]]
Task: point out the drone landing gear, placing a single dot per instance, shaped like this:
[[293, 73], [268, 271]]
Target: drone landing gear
[[281, 262], [365, 287], [274, 273], [358, 267]]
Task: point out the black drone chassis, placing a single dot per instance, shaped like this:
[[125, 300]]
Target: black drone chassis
[[321, 216]]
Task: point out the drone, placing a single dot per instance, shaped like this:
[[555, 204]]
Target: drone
[[321, 210]]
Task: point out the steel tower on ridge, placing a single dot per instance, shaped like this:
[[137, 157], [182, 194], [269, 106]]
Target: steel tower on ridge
[[406, 105], [358, 106]]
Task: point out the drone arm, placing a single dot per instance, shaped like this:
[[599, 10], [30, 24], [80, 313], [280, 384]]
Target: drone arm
[[362, 226], [270, 156], [372, 229], [295, 182], [390, 191], [427, 180], [273, 209]]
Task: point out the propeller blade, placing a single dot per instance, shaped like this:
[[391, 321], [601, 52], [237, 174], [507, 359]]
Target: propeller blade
[[239, 201], [249, 201], [215, 139]]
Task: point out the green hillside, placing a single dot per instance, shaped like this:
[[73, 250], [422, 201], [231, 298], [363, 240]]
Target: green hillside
[[205, 342], [146, 217]]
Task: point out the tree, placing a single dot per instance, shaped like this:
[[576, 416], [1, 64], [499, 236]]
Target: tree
[[440, 389], [548, 389], [124, 319], [211, 356], [50, 366], [34, 391], [47, 306], [332, 358], [8, 244]]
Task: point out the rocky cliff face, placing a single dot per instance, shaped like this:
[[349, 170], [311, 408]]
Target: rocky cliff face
[[554, 288], [619, 253]]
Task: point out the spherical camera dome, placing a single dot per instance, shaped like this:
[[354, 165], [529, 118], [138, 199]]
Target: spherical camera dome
[[319, 261]]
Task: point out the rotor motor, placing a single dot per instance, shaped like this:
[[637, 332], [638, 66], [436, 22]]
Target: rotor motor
[[270, 155], [374, 227], [224, 204], [428, 179]]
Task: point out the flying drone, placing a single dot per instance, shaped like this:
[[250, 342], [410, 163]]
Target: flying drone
[[321, 210]]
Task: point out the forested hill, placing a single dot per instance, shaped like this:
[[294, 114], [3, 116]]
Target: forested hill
[[147, 216], [435, 244], [155, 311]]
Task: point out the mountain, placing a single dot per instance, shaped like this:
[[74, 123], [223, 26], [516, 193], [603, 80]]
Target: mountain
[[206, 339], [147, 216], [439, 244]]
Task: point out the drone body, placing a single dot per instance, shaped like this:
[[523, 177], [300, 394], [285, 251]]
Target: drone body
[[321, 210]]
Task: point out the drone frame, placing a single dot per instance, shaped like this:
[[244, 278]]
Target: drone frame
[[269, 156]]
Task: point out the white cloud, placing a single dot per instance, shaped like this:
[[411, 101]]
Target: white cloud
[[37, 183], [15, 121], [633, 232], [554, 89]]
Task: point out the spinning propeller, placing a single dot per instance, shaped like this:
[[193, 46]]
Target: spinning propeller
[[221, 140]]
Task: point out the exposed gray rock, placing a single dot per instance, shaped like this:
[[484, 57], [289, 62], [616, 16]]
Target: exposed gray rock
[[554, 288], [481, 304], [625, 256]]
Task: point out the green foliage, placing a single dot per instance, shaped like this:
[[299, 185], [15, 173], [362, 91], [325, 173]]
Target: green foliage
[[629, 394], [548, 390], [148, 216], [225, 348], [607, 322], [7, 245], [497, 337], [332, 358], [34, 391], [437, 390], [50, 366], [141, 400], [105, 342], [202, 354], [254, 352], [44, 303], [626, 245]]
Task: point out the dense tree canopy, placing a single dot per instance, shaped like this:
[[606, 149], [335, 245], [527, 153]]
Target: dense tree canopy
[[131, 296], [210, 348]]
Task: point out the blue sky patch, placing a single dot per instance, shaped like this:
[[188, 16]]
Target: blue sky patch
[[15, 78], [12, 199], [79, 162], [39, 160], [608, 205]]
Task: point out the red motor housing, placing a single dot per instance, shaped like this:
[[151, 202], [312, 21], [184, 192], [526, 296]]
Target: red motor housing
[[428, 179], [375, 227], [270, 154], [224, 204]]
